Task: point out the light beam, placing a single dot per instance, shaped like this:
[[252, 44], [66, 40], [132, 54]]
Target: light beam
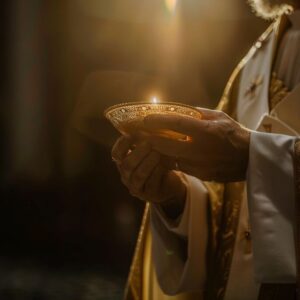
[[171, 5]]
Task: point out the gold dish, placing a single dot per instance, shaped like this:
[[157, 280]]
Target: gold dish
[[127, 117]]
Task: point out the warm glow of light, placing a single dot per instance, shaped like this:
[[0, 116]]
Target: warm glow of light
[[171, 5], [154, 100]]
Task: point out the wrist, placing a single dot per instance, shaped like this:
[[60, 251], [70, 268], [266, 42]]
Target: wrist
[[173, 207], [245, 146], [240, 139]]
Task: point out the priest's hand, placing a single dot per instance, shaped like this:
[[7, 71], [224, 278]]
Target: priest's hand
[[217, 148], [146, 177]]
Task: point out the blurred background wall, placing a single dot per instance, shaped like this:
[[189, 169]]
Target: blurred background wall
[[67, 225]]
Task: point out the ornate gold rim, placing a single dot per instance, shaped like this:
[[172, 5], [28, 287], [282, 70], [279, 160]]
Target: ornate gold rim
[[113, 107]]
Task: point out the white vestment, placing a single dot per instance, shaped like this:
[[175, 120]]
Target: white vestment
[[270, 189]]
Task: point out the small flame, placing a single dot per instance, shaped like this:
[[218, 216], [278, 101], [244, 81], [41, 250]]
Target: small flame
[[154, 100]]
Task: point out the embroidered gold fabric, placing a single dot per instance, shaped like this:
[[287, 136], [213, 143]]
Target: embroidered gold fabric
[[225, 205], [277, 91]]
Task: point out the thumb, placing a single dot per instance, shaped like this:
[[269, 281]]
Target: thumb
[[211, 114]]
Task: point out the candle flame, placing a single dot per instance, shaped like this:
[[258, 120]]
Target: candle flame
[[154, 100]]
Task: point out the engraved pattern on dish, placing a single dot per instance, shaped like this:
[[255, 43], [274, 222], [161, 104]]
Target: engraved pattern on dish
[[124, 113]]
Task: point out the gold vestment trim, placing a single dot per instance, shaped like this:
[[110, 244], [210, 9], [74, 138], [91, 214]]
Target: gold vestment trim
[[277, 91]]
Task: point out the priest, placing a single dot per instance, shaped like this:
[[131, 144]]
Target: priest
[[222, 217]]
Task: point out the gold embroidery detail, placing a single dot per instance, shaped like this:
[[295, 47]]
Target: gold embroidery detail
[[253, 86], [277, 91], [224, 216], [228, 99]]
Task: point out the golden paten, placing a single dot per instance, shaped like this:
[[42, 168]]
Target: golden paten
[[127, 117]]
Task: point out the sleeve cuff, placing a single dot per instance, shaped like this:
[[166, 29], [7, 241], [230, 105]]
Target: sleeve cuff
[[179, 251], [196, 191], [270, 189]]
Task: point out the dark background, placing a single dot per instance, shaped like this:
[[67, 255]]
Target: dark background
[[67, 225]]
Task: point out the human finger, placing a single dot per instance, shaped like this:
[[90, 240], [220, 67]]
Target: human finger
[[121, 148], [182, 124], [144, 170], [200, 169], [203, 171], [134, 158], [169, 147], [126, 182], [210, 114], [153, 184]]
